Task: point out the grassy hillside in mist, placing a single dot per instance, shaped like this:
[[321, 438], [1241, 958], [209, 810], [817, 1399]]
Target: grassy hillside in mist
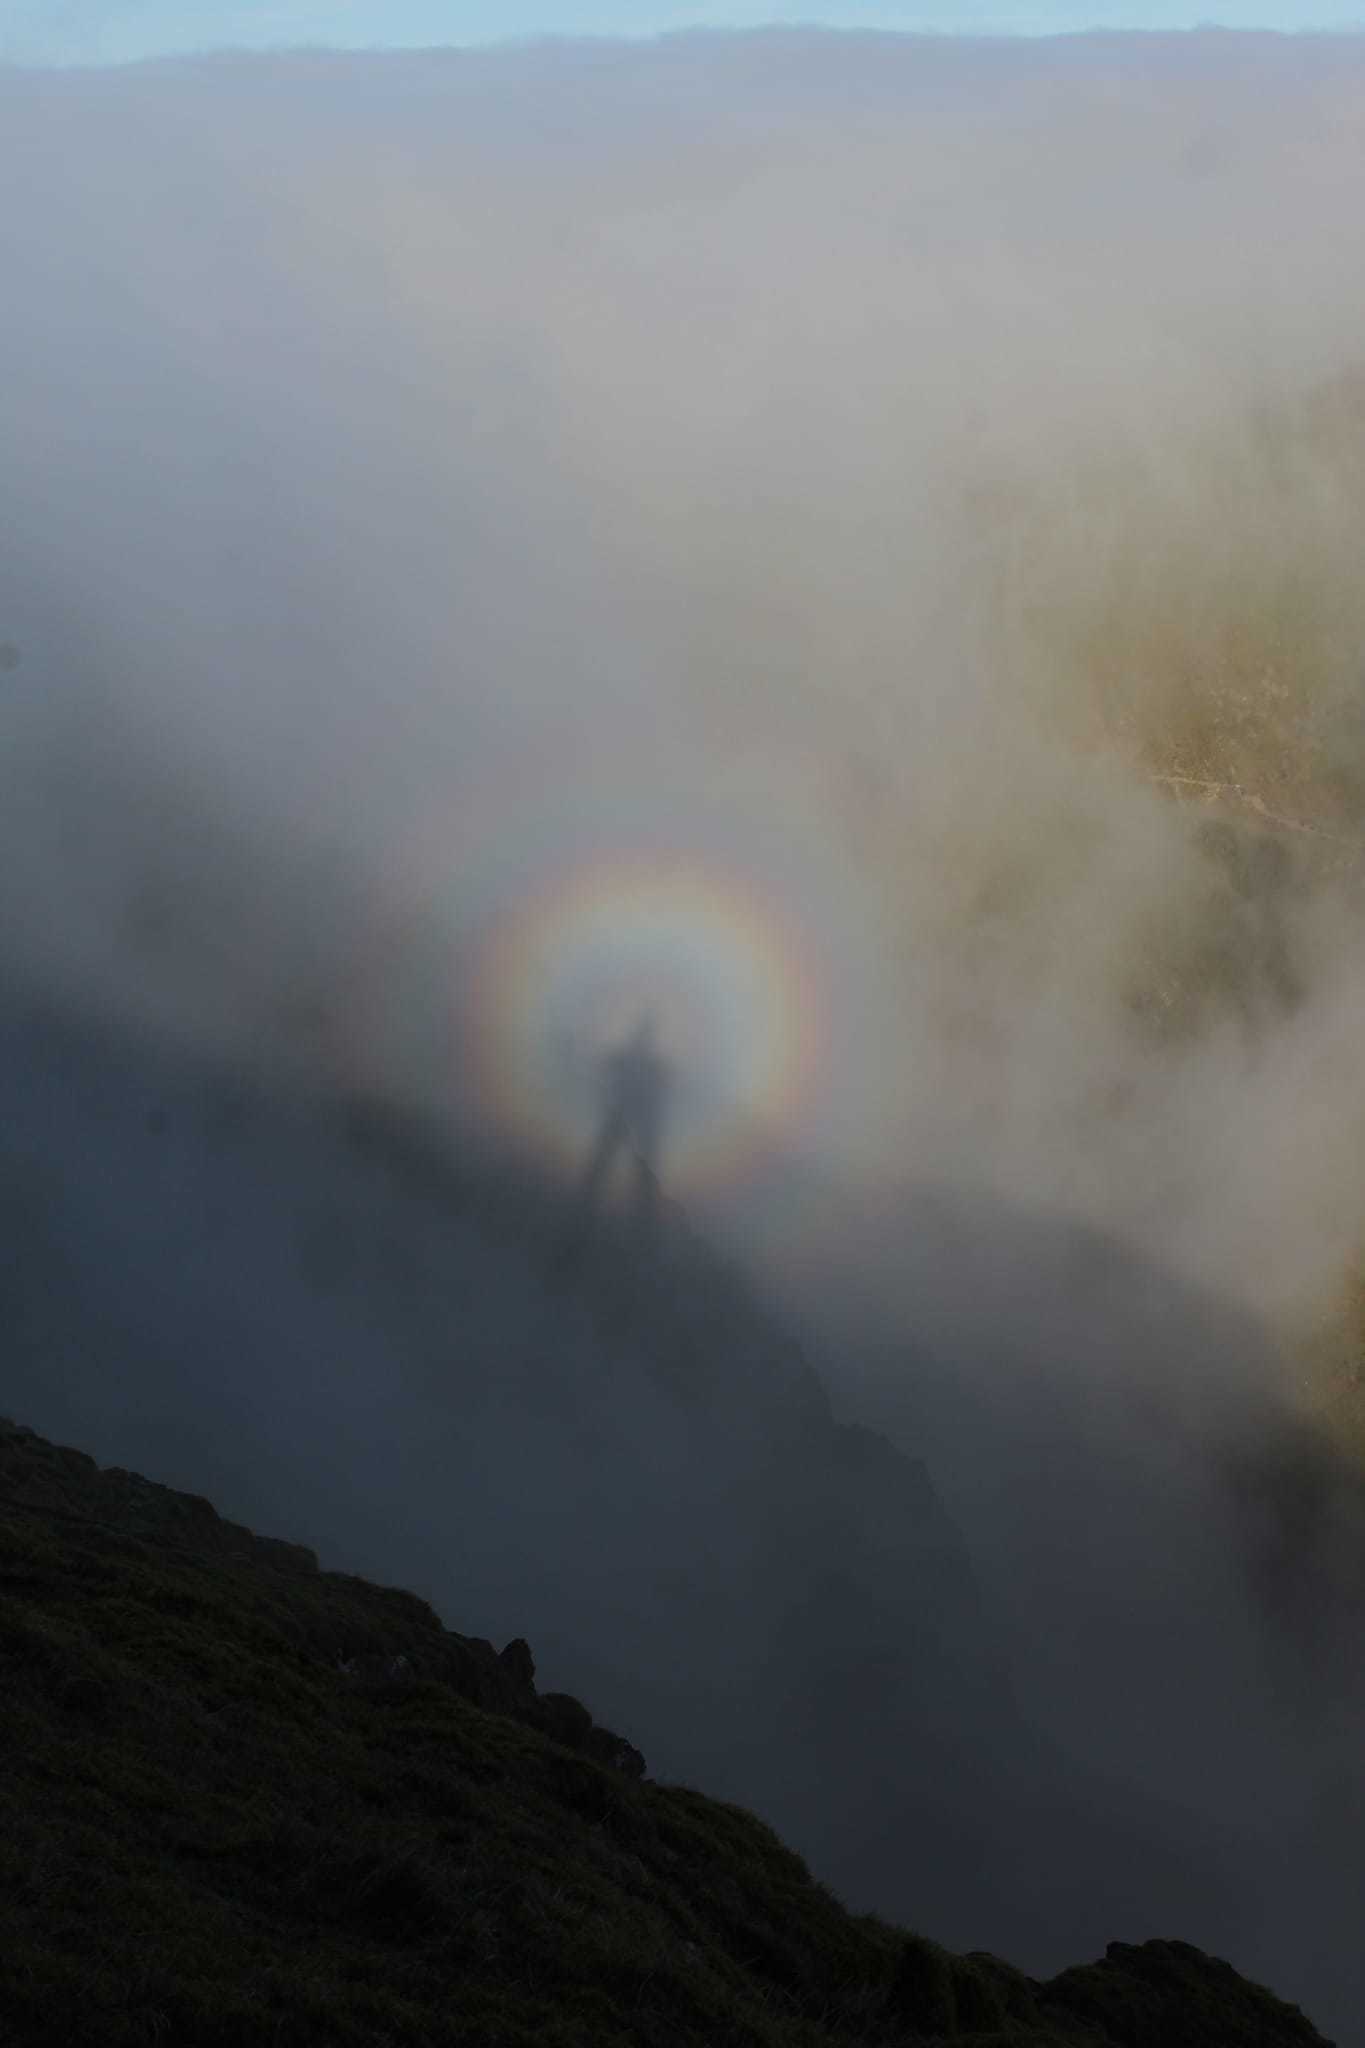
[[246, 1800], [1188, 611]]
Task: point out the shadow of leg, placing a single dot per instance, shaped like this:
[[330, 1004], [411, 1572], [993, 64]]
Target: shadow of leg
[[569, 1253], [645, 1209]]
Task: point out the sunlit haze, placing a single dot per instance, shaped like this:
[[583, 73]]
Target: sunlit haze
[[816, 578]]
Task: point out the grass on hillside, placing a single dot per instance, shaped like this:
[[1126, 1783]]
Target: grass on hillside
[[212, 1834]]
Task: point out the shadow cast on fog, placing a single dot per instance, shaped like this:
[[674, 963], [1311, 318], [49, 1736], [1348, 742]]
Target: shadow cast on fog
[[1000, 1657]]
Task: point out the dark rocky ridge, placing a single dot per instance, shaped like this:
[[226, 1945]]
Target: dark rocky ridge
[[391, 1638], [247, 1799]]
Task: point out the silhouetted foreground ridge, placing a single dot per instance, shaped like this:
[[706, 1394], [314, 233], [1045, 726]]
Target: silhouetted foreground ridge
[[245, 1800]]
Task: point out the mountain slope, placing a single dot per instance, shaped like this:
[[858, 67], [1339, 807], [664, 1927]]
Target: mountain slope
[[356, 1330], [247, 1800], [347, 1330]]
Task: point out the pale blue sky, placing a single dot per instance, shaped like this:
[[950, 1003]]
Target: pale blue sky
[[115, 31]]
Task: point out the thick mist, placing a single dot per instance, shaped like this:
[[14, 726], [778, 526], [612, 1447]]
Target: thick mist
[[914, 487]]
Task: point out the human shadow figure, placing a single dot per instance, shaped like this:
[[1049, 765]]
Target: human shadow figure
[[635, 1084]]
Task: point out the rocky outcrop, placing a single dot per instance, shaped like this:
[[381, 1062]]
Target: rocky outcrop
[[1159, 1993]]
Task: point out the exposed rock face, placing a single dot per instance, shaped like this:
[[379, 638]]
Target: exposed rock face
[[1156, 1992], [516, 1657]]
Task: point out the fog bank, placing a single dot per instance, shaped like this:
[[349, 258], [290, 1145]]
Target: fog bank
[[848, 546]]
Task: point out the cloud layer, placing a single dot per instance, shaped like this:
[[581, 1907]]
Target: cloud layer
[[940, 472], [917, 488]]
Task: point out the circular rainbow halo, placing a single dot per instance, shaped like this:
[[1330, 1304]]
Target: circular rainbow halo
[[715, 963]]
